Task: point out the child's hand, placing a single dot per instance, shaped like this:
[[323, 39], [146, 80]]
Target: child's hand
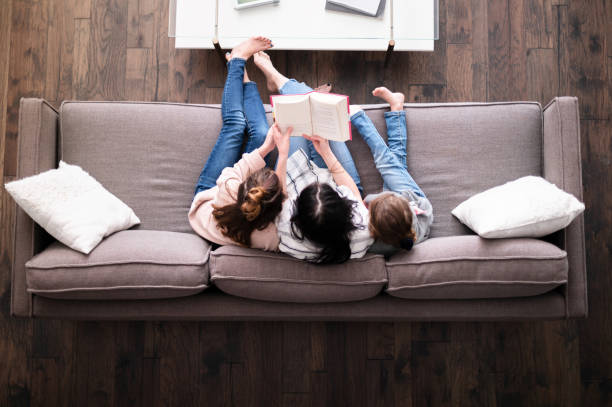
[[269, 142], [320, 144], [281, 140]]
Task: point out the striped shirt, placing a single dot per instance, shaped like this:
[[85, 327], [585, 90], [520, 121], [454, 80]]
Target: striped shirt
[[302, 172]]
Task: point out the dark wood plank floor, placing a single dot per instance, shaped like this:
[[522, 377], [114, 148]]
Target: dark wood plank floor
[[488, 51]]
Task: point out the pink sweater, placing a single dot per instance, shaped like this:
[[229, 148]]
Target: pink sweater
[[200, 215]]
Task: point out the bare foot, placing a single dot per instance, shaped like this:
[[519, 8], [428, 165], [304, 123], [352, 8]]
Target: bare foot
[[274, 79], [395, 100], [324, 88], [245, 78], [247, 48]]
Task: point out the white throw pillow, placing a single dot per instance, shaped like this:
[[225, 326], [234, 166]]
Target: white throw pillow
[[527, 207], [72, 206]]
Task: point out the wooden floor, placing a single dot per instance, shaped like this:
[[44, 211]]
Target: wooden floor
[[488, 51]]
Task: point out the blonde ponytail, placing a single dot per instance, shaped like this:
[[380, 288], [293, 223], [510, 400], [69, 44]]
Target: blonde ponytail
[[251, 207]]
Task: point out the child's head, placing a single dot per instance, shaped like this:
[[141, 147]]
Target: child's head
[[258, 202], [325, 218], [391, 221]]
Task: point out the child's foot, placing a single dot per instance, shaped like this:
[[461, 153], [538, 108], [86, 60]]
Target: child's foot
[[247, 48], [274, 79], [395, 100], [245, 78], [324, 88]]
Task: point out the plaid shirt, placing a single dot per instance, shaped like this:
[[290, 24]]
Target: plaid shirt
[[302, 172]]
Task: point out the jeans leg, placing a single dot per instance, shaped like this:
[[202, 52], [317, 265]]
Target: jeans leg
[[293, 87], [345, 158], [396, 134], [393, 172], [255, 114], [226, 151], [296, 143]]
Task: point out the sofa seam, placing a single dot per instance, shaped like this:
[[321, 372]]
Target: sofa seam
[[313, 282], [118, 287], [480, 282], [287, 257], [460, 104], [127, 102], [474, 259], [85, 266]]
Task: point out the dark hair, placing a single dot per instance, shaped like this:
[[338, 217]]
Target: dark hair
[[259, 200], [323, 217], [391, 221]]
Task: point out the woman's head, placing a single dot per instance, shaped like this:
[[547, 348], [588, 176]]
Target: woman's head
[[258, 201], [325, 218], [391, 221]]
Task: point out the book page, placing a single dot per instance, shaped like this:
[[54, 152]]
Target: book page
[[293, 111], [330, 116]]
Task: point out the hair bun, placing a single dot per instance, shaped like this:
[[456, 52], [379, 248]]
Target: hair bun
[[406, 243], [251, 208]]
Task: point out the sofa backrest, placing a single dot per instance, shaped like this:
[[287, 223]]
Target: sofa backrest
[[455, 150], [151, 154]]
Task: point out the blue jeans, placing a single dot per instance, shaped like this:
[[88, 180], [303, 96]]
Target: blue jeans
[[339, 148], [389, 160], [241, 109]]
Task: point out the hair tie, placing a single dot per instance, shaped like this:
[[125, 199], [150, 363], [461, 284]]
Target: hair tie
[[406, 243], [251, 208]]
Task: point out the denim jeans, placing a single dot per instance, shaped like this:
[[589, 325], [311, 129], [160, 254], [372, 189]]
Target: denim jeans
[[241, 109], [339, 148], [389, 160]]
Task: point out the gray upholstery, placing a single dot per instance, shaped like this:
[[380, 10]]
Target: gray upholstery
[[37, 153], [562, 166], [150, 154], [471, 267], [457, 150], [213, 305], [132, 264], [259, 275]]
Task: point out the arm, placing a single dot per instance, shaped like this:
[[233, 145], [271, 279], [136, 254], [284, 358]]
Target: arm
[[341, 177], [562, 166], [282, 144], [231, 177], [37, 152]]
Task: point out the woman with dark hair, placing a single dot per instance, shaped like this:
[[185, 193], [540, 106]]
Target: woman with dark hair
[[236, 200], [324, 219]]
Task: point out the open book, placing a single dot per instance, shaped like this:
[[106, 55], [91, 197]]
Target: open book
[[322, 114]]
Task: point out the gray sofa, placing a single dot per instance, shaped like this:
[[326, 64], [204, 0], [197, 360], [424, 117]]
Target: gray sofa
[[150, 154]]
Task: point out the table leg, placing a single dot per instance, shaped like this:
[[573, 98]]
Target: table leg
[[219, 50], [389, 52]]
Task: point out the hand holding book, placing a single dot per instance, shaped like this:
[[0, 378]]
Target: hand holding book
[[323, 114]]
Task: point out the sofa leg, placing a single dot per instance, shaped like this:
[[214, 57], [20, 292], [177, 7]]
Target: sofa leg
[[389, 52]]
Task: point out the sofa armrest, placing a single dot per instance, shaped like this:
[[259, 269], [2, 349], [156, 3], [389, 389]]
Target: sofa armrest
[[562, 165], [36, 152]]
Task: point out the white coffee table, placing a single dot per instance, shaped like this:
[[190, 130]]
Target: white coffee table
[[405, 25]]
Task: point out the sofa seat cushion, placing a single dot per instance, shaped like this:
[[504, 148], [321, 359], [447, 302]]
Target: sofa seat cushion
[[269, 276], [460, 267], [128, 265]]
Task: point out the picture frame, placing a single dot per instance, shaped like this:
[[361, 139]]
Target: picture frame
[[240, 4]]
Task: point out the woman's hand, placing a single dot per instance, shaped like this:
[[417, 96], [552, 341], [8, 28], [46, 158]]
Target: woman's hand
[[320, 144], [281, 140]]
